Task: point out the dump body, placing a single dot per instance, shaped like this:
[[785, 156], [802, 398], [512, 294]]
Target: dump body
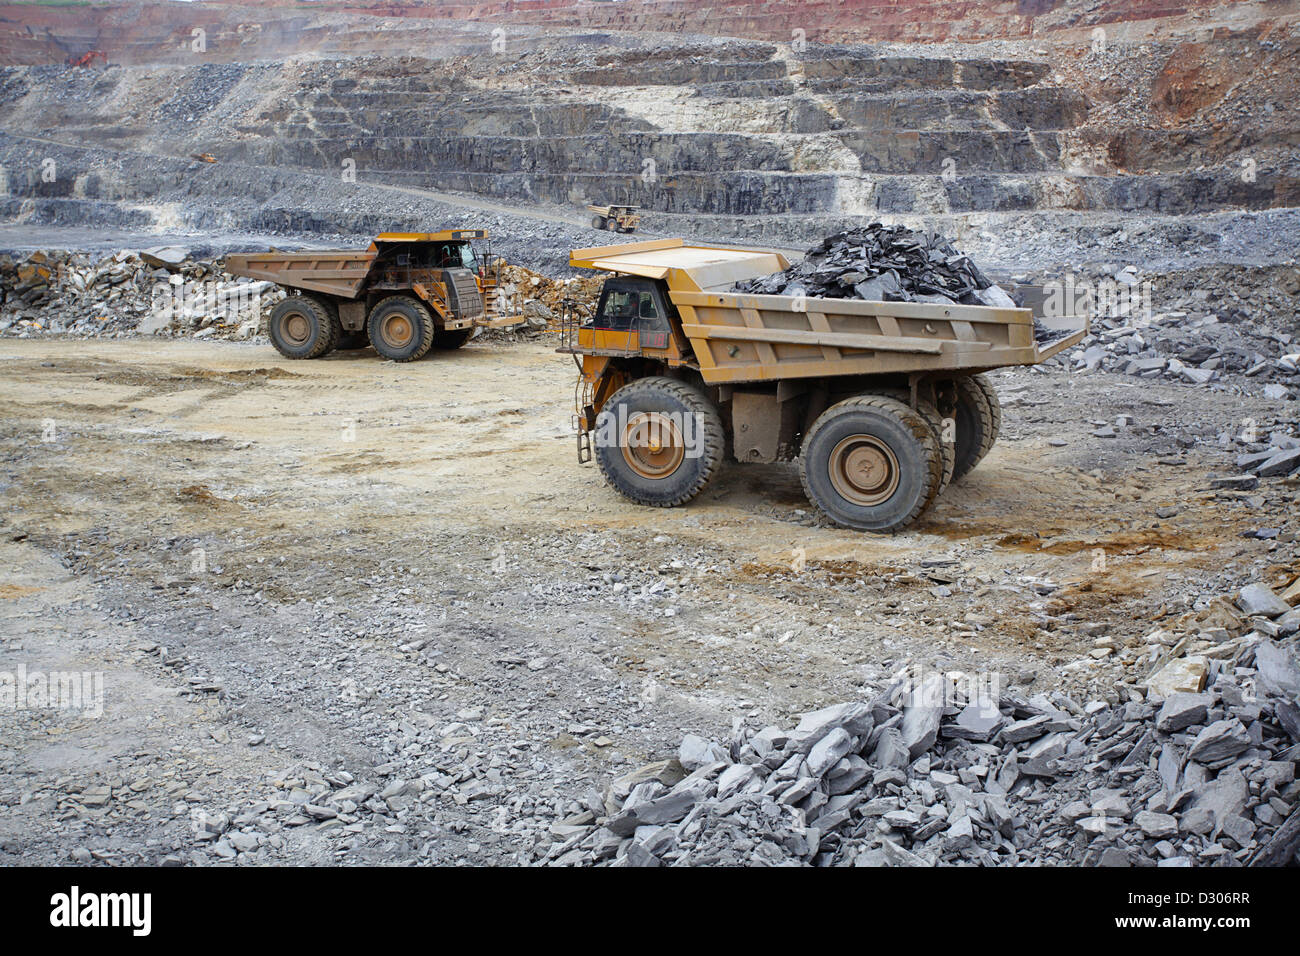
[[751, 338], [336, 272]]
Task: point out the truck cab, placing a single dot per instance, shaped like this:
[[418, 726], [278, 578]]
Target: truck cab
[[637, 309]]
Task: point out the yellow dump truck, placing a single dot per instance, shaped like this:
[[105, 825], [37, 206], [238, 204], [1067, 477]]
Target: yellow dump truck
[[881, 403], [405, 294], [615, 218]]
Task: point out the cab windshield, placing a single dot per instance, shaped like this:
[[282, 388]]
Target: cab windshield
[[454, 255]]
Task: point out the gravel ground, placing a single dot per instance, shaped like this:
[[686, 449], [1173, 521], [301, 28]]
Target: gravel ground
[[348, 611]]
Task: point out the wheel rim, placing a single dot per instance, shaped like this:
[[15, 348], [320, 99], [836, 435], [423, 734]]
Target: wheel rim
[[396, 331], [864, 470], [296, 328], [652, 445]]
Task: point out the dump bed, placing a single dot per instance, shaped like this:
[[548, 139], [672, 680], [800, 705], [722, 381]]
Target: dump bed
[[742, 337], [340, 272], [335, 272]]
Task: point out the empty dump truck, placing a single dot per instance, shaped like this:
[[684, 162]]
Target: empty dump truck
[[881, 403], [408, 292], [615, 218]]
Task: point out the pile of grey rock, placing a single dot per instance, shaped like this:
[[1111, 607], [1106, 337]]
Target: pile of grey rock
[[1194, 345], [1278, 455], [926, 773], [156, 291]]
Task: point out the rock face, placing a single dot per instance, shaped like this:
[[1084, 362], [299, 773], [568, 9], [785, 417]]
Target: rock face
[[685, 127], [906, 779]]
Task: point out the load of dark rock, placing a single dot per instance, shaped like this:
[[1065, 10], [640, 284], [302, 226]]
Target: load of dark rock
[[1199, 772], [883, 263]]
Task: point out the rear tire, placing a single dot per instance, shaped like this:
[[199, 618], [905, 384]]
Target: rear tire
[[995, 406], [451, 338], [974, 420], [597, 222], [302, 327], [947, 449], [871, 463], [401, 328], [642, 451]]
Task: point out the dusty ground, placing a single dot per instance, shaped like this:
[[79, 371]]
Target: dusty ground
[[351, 570]]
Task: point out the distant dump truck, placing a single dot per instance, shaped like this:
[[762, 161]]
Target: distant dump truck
[[881, 403], [407, 293], [615, 218]]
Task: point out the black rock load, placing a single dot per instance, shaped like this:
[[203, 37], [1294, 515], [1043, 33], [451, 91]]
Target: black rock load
[[883, 263]]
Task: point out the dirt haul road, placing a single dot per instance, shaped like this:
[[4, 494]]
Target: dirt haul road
[[352, 611]]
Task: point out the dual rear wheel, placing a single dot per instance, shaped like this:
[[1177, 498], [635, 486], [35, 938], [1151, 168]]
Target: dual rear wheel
[[304, 326], [872, 463]]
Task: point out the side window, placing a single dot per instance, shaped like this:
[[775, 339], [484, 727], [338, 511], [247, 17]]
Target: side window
[[649, 313]]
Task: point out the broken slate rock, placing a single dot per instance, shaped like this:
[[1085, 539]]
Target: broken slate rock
[[669, 808], [1277, 673], [1219, 741], [828, 751], [1156, 826], [921, 716], [1258, 599], [1183, 710], [978, 722], [696, 752]]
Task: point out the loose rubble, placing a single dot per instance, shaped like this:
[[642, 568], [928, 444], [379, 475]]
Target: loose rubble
[[160, 291], [1211, 328], [540, 301], [940, 769]]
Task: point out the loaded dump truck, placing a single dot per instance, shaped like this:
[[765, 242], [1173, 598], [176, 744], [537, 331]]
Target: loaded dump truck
[[407, 293], [881, 403]]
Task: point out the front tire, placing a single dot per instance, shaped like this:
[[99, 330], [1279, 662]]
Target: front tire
[[659, 442], [871, 463], [401, 328], [302, 327]]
